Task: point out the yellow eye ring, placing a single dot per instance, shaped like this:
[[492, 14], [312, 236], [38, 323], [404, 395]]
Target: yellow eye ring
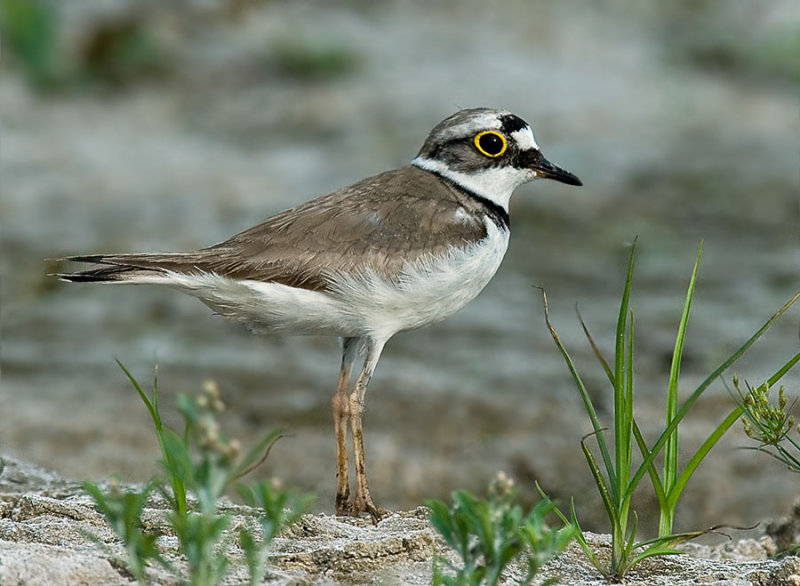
[[486, 143]]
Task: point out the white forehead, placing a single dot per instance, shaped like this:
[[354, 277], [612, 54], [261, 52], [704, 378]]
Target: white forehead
[[524, 138], [491, 121]]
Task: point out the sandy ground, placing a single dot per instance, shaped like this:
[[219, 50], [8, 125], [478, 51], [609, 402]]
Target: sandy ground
[[51, 533]]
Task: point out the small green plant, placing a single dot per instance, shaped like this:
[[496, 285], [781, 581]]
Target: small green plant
[[488, 534], [282, 509], [123, 509], [30, 32], [617, 479], [770, 424], [773, 427], [200, 465]]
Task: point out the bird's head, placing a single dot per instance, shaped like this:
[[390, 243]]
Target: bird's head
[[489, 152]]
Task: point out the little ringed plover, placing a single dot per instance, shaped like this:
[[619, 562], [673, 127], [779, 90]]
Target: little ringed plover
[[397, 251]]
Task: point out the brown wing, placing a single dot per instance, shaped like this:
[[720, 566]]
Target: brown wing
[[378, 223]]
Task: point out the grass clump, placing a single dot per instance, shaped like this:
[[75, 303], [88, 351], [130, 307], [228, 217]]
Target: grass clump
[[616, 476], [199, 465], [488, 533]]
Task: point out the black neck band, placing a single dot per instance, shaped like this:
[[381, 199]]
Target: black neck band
[[497, 213]]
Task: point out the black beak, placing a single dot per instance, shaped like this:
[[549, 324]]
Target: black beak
[[548, 170]]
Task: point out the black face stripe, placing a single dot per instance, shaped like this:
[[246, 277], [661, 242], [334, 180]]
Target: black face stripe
[[526, 159], [512, 123]]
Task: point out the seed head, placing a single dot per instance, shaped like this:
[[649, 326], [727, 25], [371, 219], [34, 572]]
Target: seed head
[[502, 486], [234, 449]]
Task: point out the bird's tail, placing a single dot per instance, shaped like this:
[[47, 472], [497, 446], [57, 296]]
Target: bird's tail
[[130, 268]]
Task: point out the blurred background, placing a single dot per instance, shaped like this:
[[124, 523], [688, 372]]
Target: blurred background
[[170, 125]]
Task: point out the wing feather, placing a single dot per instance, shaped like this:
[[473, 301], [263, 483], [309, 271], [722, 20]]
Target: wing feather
[[377, 224]]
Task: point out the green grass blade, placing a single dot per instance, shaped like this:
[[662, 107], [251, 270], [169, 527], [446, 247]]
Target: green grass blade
[[787, 458], [177, 483], [783, 370], [152, 406], [731, 359], [624, 559], [179, 467], [653, 551], [619, 351], [578, 533], [621, 424], [658, 487], [596, 349], [608, 501], [782, 455], [626, 439], [665, 545], [699, 391], [699, 455], [587, 400], [671, 447], [670, 541]]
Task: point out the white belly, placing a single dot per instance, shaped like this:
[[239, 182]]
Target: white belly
[[426, 292]]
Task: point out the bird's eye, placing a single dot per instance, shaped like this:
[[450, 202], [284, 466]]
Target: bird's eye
[[491, 143]]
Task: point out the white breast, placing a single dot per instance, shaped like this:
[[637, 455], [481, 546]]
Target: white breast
[[426, 291]]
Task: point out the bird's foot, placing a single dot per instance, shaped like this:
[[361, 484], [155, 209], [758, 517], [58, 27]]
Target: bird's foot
[[365, 505], [354, 509]]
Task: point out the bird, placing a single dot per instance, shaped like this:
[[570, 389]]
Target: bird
[[396, 251]]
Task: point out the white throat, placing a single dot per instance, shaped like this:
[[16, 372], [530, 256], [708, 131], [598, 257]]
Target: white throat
[[495, 184]]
